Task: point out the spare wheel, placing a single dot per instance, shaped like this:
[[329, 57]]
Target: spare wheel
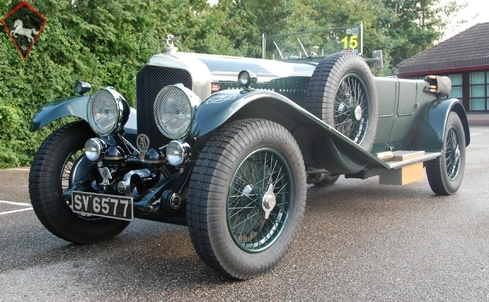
[[342, 93]]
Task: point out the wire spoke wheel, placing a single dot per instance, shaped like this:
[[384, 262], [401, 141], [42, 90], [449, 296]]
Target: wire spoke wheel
[[57, 164], [342, 93], [452, 154], [248, 223], [68, 168], [71, 173], [246, 198], [445, 173], [351, 108]]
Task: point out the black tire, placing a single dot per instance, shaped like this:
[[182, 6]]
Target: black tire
[[49, 177], [230, 184], [342, 93], [445, 173], [328, 180]]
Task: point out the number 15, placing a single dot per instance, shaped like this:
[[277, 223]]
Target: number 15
[[350, 42]]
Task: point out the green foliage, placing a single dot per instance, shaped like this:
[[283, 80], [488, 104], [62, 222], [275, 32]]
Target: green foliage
[[102, 44], [411, 26], [107, 42]]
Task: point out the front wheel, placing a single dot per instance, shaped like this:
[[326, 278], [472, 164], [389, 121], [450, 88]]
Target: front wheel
[[246, 198], [445, 173], [57, 164]]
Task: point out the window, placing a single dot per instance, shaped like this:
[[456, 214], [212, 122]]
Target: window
[[456, 91], [479, 90]]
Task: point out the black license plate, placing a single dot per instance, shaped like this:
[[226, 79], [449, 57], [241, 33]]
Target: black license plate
[[111, 206]]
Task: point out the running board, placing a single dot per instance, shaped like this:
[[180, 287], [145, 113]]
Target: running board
[[405, 158], [405, 167]]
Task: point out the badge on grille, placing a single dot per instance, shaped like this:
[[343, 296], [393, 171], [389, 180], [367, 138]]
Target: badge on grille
[[142, 142], [24, 24]]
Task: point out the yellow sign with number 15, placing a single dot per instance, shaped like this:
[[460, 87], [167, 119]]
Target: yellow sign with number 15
[[350, 42]]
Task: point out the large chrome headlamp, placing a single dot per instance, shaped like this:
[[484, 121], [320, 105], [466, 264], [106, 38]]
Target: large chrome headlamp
[[107, 111], [174, 108]]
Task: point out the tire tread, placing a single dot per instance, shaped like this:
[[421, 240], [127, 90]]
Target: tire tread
[[206, 192], [45, 190]]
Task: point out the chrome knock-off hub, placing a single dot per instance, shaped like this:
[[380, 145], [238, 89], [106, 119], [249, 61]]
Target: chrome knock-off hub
[[269, 201]]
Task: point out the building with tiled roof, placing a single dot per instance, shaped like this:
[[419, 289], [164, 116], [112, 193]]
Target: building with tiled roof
[[465, 59]]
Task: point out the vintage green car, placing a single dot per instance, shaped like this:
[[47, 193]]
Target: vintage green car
[[228, 146]]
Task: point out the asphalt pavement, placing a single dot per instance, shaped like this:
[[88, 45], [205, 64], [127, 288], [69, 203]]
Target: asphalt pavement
[[359, 241]]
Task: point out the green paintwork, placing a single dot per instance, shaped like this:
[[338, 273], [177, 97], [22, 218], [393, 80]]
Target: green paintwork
[[434, 123], [76, 106], [245, 216], [72, 106], [312, 134], [293, 88], [402, 103], [410, 118]]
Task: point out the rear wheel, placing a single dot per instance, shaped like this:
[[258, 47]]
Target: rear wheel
[[445, 173], [58, 163], [343, 94], [246, 198]]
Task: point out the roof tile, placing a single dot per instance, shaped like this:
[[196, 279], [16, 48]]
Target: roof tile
[[469, 48]]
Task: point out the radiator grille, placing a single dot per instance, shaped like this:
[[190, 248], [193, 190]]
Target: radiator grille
[[150, 80]]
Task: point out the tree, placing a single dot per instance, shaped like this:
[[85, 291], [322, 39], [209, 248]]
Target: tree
[[106, 43], [244, 22], [415, 25]]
